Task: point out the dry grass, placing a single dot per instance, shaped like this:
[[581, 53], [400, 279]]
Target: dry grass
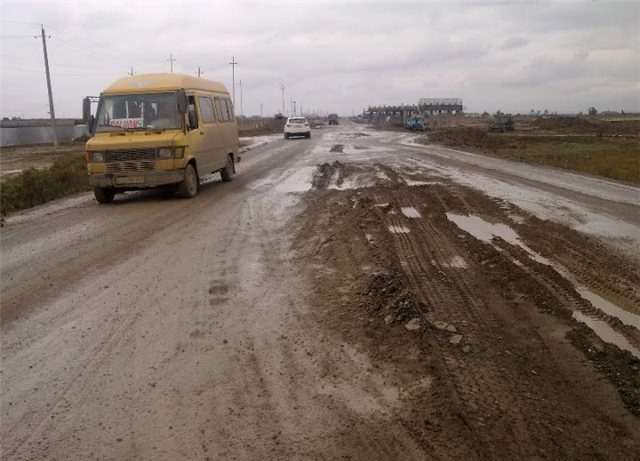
[[31, 187], [616, 157]]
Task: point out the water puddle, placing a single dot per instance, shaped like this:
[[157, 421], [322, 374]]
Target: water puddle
[[599, 302], [606, 333], [457, 261], [415, 182], [485, 231], [399, 229], [410, 212]]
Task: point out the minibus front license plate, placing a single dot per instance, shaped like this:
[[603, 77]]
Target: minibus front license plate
[[130, 180]]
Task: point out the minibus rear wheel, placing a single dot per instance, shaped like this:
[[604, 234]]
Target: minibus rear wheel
[[189, 186], [104, 194], [229, 169]]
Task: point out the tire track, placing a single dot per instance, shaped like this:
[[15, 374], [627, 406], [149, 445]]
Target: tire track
[[449, 298]]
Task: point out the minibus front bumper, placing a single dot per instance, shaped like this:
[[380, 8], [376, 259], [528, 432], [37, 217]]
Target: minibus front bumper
[[136, 180]]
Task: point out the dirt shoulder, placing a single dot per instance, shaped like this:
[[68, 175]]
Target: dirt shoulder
[[477, 338], [17, 158]]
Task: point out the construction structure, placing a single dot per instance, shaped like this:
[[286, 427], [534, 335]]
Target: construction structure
[[440, 106], [426, 107]]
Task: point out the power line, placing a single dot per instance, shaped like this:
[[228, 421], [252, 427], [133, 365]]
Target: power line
[[21, 22]]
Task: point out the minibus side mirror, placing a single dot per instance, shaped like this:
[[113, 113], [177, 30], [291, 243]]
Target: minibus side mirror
[[183, 102]]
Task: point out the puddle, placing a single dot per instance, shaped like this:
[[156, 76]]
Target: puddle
[[457, 261], [606, 333], [599, 302], [410, 212], [485, 231], [399, 229], [415, 182], [382, 205]]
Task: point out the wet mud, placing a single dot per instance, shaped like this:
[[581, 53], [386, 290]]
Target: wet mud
[[476, 306]]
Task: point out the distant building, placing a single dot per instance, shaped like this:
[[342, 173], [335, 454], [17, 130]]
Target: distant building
[[436, 106]]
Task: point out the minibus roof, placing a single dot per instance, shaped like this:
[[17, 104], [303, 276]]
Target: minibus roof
[[143, 83]]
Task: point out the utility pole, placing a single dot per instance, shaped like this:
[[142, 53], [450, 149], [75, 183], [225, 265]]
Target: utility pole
[[46, 69], [233, 80], [131, 72], [171, 60], [261, 116], [282, 88], [199, 71], [241, 109]]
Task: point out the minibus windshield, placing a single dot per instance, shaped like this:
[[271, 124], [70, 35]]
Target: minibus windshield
[[150, 111]]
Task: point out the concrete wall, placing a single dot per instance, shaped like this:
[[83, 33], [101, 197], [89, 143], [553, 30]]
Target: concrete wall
[[24, 135]]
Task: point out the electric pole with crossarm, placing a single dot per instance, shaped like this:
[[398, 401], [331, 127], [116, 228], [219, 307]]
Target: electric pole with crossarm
[[46, 70], [233, 80]]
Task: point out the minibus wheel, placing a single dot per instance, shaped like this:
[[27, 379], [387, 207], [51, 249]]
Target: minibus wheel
[[189, 186], [103, 194], [229, 169]]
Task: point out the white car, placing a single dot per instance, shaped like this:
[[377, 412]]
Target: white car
[[297, 126]]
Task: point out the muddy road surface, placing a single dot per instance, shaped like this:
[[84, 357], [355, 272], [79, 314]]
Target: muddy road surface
[[352, 296]]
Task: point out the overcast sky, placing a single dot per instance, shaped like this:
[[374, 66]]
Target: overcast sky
[[333, 56]]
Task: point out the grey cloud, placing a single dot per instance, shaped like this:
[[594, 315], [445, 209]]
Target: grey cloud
[[342, 56], [514, 42]]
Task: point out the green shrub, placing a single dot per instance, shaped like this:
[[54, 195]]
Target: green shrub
[[31, 187]]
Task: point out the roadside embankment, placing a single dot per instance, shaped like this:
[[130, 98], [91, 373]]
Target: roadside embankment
[[33, 186]]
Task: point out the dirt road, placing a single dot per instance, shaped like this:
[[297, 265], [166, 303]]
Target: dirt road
[[352, 296]]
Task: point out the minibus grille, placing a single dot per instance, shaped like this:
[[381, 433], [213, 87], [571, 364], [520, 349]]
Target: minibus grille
[[129, 154], [117, 167]]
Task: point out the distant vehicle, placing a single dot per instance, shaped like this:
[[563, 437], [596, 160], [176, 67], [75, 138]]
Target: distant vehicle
[[333, 119], [297, 126], [415, 123], [279, 116], [157, 130]]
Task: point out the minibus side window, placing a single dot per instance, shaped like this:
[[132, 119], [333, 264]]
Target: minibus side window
[[193, 113], [230, 109], [223, 111], [206, 109]]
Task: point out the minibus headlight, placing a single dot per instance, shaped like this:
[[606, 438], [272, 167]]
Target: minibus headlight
[[97, 157], [164, 152], [178, 152]]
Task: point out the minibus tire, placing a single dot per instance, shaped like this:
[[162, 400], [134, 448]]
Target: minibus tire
[[188, 188], [104, 194], [227, 172]]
